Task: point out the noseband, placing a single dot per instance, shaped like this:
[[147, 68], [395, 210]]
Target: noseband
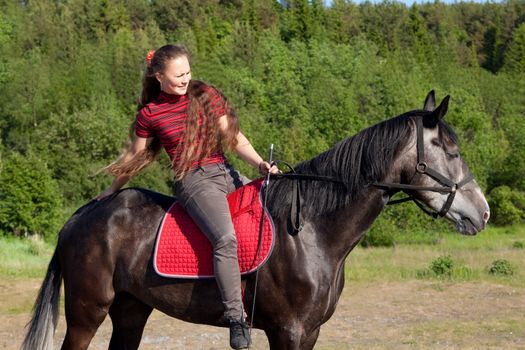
[[422, 168]]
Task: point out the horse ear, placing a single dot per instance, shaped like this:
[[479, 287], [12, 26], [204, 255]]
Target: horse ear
[[430, 101], [437, 114]]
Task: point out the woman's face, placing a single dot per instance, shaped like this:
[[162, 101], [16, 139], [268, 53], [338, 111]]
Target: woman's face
[[176, 76]]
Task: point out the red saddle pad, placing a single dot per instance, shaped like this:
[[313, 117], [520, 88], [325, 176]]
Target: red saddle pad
[[182, 250]]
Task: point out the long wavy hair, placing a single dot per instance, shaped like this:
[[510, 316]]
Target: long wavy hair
[[202, 136]]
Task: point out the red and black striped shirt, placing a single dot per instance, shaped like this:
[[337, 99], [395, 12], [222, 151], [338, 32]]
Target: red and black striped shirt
[[165, 118]]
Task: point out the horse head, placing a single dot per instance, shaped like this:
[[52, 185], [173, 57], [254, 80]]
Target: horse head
[[437, 174]]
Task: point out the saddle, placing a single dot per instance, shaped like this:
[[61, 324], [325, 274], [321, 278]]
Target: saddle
[[183, 251]]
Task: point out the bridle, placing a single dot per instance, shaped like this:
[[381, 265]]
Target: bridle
[[422, 168]]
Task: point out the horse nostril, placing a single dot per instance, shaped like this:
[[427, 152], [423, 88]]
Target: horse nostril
[[486, 216]]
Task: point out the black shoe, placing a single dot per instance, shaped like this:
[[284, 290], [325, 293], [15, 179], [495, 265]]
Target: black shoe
[[239, 335]]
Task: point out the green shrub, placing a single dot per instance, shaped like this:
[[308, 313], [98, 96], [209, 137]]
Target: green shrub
[[518, 245], [501, 267], [29, 199], [378, 238], [507, 206], [445, 267], [442, 266]]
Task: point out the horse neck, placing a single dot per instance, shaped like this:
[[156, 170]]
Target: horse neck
[[330, 233], [345, 227], [341, 230], [340, 214]]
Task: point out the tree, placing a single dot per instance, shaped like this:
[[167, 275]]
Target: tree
[[29, 199], [300, 75], [515, 57], [342, 21], [301, 20], [493, 48], [420, 41]]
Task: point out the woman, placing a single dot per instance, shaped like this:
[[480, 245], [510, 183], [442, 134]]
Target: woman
[[193, 121]]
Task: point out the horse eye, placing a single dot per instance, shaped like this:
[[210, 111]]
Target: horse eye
[[452, 155]]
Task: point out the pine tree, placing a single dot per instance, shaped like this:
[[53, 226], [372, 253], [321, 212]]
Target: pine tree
[[515, 57]]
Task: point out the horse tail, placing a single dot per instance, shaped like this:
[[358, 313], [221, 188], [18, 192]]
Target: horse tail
[[45, 311]]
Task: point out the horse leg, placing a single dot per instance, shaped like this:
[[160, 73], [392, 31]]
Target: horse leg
[[129, 316], [292, 338], [308, 342], [83, 320], [87, 303]]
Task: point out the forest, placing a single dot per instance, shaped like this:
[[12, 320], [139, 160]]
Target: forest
[[301, 75]]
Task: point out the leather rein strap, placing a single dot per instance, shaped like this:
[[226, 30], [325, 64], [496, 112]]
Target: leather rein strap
[[448, 186], [295, 208]]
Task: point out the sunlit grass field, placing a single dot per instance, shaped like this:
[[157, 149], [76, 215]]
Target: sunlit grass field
[[24, 257], [472, 257], [397, 289]]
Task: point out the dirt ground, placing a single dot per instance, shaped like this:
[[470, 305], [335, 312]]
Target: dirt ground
[[393, 315]]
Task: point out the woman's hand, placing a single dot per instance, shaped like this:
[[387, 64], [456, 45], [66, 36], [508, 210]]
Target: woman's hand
[[107, 192], [265, 168], [118, 182]]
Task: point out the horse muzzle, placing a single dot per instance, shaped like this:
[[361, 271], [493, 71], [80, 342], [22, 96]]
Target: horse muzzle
[[470, 219], [467, 226]]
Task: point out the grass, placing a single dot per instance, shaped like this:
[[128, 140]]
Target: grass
[[24, 261], [472, 257], [26, 257], [21, 261]]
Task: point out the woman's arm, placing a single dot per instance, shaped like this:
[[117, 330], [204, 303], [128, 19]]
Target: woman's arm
[[138, 144], [246, 151]]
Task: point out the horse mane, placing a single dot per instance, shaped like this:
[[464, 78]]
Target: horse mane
[[357, 161]]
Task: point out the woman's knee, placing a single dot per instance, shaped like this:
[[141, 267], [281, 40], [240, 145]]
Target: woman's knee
[[226, 242]]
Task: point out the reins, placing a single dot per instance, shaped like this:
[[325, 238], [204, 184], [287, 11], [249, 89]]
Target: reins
[[264, 199], [295, 208], [422, 168]]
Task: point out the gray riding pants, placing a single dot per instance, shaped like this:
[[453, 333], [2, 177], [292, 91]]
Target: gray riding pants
[[203, 194]]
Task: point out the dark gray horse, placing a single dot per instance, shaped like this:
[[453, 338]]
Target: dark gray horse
[[104, 252]]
